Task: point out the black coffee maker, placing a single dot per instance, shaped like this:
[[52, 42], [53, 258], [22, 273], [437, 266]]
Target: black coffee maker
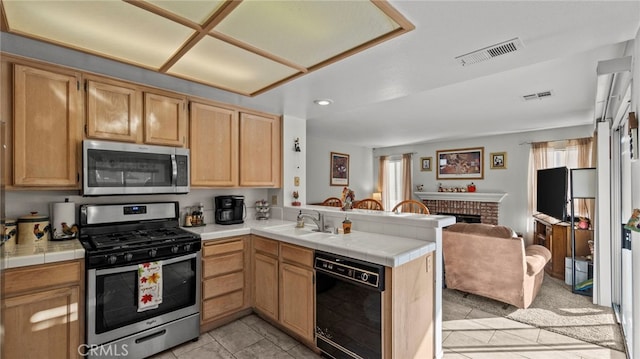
[[229, 209]]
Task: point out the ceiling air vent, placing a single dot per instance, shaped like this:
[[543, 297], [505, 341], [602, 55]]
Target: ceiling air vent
[[490, 52], [537, 96]]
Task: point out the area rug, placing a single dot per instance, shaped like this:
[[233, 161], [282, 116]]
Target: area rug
[[555, 309]]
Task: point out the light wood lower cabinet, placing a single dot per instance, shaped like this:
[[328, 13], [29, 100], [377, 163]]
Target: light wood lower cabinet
[[409, 310], [225, 289], [283, 280], [42, 311]]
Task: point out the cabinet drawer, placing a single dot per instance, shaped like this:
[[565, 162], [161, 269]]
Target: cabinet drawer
[[265, 245], [224, 304], [41, 276], [223, 264], [223, 284], [222, 248], [296, 254]]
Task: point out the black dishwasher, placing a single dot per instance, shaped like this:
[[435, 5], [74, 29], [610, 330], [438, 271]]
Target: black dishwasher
[[348, 306]]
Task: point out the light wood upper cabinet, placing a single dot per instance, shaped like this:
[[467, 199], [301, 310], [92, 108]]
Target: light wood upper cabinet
[[47, 127], [113, 111], [6, 109], [260, 150], [213, 136], [165, 119]]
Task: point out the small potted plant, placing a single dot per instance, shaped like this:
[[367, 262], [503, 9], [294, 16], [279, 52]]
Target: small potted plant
[[295, 199]]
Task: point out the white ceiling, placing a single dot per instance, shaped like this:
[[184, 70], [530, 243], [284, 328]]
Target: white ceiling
[[410, 89]]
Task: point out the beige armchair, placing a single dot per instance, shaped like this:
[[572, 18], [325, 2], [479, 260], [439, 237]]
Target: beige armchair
[[489, 261]]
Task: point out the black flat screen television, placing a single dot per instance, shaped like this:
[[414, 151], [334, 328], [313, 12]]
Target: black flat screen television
[[551, 192]]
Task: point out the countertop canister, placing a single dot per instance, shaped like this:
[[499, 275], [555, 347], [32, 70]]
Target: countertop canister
[[33, 228], [63, 223], [9, 234]]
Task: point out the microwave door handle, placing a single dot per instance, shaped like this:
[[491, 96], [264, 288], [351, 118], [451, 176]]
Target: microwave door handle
[[174, 171], [244, 213]]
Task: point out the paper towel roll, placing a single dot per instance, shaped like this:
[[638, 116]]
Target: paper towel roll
[[63, 222]]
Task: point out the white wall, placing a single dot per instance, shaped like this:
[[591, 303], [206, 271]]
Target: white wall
[[512, 180], [318, 169], [293, 163], [20, 203]]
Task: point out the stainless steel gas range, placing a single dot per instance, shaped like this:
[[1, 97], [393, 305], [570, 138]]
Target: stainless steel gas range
[[143, 279]]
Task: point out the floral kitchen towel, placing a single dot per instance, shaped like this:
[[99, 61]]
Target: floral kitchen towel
[[149, 285]]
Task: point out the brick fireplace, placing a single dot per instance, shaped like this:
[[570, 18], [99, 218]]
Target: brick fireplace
[[484, 205]]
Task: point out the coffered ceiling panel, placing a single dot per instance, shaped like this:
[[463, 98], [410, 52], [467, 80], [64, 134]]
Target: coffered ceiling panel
[[197, 11], [109, 28], [247, 47], [306, 32], [229, 67]]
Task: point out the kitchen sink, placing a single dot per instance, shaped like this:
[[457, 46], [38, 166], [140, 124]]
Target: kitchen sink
[[308, 232], [317, 235]]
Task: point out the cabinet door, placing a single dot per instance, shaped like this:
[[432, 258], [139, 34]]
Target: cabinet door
[[42, 324], [260, 151], [46, 129], [165, 121], [6, 109], [265, 284], [213, 136], [113, 111], [296, 300]]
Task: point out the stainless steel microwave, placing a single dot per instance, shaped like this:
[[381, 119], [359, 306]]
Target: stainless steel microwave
[[115, 168]]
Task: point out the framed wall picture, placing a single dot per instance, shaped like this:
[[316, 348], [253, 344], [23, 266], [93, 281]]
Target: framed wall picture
[[498, 160], [463, 163], [425, 163], [339, 169]]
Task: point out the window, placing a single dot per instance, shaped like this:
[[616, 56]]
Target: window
[[576, 153], [393, 182]]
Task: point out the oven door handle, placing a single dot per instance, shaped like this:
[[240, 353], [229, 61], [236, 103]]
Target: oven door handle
[[135, 266]]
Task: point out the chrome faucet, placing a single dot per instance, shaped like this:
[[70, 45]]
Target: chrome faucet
[[319, 221]]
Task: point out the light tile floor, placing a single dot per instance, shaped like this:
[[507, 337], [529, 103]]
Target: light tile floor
[[472, 333], [249, 337], [467, 333]]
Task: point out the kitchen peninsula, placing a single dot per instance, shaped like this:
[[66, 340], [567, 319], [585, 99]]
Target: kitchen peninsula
[[267, 266], [281, 277]]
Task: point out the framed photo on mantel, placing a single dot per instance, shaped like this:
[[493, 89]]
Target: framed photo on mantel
[[463, 163], [339, 169]]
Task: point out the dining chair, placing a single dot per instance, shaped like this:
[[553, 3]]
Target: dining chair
[[332, 202], [369, 203], [411, 206]]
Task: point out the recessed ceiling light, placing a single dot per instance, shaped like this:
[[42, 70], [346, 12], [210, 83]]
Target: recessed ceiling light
[[323, 102]]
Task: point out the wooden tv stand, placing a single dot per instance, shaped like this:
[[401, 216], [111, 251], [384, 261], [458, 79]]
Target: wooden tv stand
[[555, 235]]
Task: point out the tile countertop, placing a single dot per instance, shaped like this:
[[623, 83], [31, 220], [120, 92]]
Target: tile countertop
[[41, 253], [390, 251]]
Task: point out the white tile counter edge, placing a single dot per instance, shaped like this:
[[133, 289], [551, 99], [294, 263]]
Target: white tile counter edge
[[43, 253], [387, 250]]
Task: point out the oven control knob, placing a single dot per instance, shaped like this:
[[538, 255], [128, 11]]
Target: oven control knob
[[175, 249], [153, 252], [187, 247], [364, 277], [112, 259], [128, 257]]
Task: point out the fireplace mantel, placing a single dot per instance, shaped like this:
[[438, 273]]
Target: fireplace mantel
[[496, 197]]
